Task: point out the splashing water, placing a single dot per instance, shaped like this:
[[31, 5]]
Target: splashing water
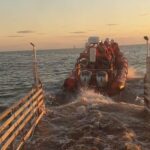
[[90, 96], [132, 73], [92, 121]]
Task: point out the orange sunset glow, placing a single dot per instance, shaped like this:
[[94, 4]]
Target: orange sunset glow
[[65, 23]]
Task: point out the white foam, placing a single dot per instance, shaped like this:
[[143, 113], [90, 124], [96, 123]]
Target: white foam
[[90, 96]]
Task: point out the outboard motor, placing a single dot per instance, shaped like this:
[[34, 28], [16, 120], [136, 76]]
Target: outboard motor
[[85, 77], [102, 79]]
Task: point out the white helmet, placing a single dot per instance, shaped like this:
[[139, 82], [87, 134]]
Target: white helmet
[[112, 41]]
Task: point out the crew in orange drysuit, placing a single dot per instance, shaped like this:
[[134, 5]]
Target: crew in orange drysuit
[[108, 56], [120, 64]]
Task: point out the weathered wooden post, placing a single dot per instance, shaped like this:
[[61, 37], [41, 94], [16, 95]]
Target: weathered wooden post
[[35, 67], [18, 122], [147, 78]]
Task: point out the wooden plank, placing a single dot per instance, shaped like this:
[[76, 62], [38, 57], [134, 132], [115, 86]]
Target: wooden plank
[[9, 110], [6, 123], [15, 134], [12, 128], [25, 138]]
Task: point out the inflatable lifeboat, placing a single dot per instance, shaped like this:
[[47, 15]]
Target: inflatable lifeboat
[[101, 66]]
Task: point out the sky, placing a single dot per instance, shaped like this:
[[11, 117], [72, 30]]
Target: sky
[[52, 24]]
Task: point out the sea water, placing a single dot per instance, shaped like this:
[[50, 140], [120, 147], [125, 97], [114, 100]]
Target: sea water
[[16, 69]]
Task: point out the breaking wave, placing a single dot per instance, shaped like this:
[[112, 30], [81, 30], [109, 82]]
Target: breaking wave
[[89, 96], [92, 121]]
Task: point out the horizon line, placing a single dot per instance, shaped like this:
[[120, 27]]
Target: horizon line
[[44, 49]]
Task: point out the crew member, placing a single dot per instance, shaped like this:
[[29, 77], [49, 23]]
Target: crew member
[[108, 57]]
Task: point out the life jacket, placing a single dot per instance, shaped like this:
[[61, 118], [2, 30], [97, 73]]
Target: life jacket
[[104, 57], [115, 48], [120, 64]]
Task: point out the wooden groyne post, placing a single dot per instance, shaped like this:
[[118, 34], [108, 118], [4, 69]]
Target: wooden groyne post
[[147, 77], [18, 122], [35, 67]]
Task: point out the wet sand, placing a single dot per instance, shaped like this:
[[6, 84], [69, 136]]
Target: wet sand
[[95, 122]]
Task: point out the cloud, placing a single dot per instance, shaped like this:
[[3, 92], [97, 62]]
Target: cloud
[[15, 36], [78, 36], [78, 32], [111, 24], [25, 31]]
